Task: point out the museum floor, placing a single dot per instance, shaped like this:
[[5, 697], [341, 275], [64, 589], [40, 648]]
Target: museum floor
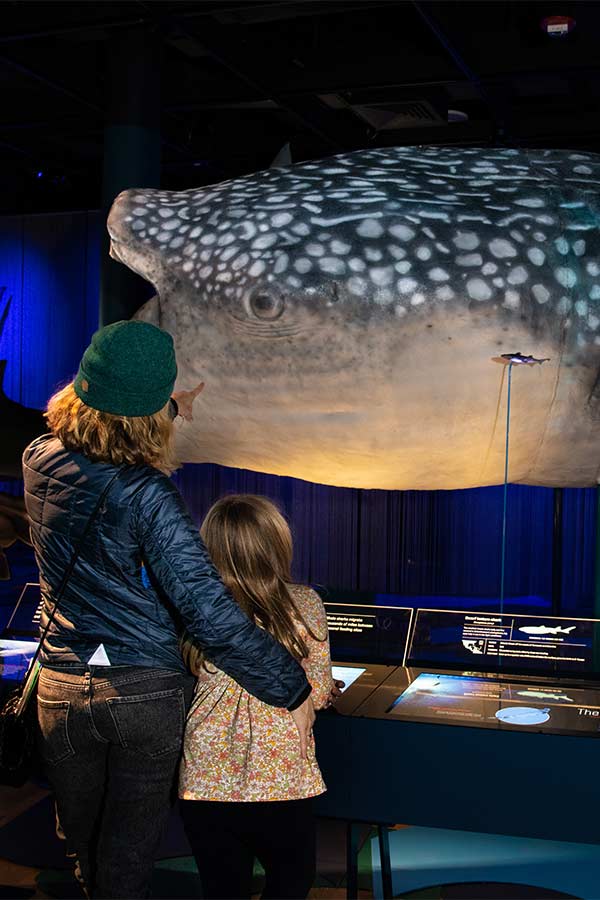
[[30, 870], [32, 865]]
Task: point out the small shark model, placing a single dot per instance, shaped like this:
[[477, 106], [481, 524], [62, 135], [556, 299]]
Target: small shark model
[[544, 695], [519, 359], [546, 629]]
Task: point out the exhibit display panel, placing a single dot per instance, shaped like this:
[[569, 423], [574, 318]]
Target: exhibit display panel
[[347, 674], [503, 672], [367, 643], [18, 642], [360, 683], [513, 643], [367, 633], [490, 702], [15, 656], [25, 619]]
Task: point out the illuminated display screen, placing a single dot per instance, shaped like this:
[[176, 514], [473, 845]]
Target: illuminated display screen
[[25, 619], [15, 657], [488, 640], [491, 703], [347, 674], [365, 633]]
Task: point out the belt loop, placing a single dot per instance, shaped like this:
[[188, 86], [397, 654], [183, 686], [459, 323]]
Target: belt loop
[[87, 682]]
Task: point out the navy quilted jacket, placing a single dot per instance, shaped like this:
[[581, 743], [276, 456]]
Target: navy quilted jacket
[[142, 575]]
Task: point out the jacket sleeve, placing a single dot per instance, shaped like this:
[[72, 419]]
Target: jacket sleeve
[[178, 560]]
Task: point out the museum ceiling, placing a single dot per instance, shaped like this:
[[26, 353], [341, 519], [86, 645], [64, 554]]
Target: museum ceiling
[[241, 80]]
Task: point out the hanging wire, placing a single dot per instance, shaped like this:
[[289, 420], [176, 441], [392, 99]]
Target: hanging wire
[[505, 503]]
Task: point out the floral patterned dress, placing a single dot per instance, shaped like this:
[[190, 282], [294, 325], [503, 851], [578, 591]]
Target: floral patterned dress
[[237, 748]]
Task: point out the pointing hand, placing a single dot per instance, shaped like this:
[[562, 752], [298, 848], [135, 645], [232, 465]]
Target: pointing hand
[[185, 401]]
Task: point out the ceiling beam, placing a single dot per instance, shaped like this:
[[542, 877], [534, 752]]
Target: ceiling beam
[[49, 83], [77, 98], [282, 9], [307, 112], [67, 30], [465, 68], [18, 150]]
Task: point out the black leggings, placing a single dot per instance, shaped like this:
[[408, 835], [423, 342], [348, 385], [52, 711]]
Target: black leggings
[[226, 837]]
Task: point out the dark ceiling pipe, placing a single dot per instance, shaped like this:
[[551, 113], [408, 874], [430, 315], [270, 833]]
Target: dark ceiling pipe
[[57, 88], [229, 62], [190, 14], [15, 149], [303, 112], [27, 126], [72, 95], [465, 68], [270, 104], [72, 29]]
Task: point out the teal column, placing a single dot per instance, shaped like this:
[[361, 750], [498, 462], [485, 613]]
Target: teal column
[[132, 145]]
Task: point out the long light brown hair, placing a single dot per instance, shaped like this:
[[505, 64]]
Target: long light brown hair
[[250, 544], [104, 437]]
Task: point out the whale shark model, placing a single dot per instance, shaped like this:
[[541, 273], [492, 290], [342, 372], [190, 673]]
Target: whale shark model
[[547, 629], [347, 314]]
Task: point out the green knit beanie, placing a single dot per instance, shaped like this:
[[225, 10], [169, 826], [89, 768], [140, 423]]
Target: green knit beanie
[[129, 369]]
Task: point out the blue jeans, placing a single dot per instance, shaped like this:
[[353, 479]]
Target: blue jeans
[[110, 740]]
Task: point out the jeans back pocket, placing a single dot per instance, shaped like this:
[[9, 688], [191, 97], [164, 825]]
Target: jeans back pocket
[[151, 724], [53, 719]]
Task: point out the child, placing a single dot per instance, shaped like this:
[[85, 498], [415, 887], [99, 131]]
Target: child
[[246, 791]]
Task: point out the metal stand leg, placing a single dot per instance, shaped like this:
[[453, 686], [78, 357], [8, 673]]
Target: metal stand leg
[[386, 865], [351, 861]]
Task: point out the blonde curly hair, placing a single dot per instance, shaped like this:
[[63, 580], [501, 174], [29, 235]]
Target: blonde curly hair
[[105, 437]]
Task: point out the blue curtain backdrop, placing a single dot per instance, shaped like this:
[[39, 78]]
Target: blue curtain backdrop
[[49, 273], [439, 547]]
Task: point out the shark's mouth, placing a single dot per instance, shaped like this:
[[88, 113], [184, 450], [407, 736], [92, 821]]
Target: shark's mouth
[[138, 259]]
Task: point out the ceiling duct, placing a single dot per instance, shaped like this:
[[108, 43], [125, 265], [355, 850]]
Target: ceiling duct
[[390, 115]]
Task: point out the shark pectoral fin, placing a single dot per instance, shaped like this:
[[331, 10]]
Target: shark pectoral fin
[[150, 311]]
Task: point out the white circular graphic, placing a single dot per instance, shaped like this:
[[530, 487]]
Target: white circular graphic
[[523, 715]]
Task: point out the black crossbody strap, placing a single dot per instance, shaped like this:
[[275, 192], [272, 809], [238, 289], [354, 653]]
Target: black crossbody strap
[[71, 566]]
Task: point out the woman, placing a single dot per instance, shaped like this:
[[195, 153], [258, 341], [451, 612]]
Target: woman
[[113, 690], [246, 790]]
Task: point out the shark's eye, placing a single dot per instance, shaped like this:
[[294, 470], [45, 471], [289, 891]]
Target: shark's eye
[[266, 306]]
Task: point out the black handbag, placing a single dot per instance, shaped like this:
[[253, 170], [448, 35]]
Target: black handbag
[[18, 716]]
